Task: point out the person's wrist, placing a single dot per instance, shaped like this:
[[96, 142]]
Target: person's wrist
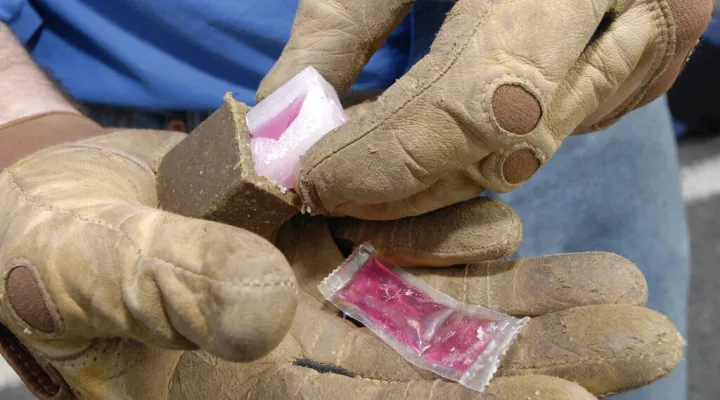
[[25, 90], [34, 114]]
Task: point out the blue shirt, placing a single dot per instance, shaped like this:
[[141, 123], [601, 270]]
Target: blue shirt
[[171, 54]]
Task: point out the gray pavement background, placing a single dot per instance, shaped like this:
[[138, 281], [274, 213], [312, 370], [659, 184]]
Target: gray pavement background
[[704, 222]]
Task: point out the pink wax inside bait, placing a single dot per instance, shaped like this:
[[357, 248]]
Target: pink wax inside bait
[[461, 342], [289, 121]]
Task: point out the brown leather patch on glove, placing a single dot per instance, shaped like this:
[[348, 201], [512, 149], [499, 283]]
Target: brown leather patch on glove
[[520, 166], [27, 298], [516, 110], [28, 135]]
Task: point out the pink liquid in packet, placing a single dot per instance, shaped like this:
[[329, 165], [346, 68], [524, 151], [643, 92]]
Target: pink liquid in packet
[[457, 341]]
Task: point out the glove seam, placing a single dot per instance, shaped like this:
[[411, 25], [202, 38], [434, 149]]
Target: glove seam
[[118, 353], [241, 284], [118, 153], [124, 235], [32, 371]]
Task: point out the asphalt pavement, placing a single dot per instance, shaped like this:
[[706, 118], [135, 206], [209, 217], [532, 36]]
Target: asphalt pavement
[[701, 174]]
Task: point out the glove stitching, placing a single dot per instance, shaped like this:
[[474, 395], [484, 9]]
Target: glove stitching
[[388, 381], [26, 363], [407, 389], [428, 86], [242, 283], [465, 283], [118, 153], [117, 374], [46, 207], [432, 387], [341, 351], [488, 289]]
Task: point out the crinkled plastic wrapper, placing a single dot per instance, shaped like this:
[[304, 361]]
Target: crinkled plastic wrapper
[[457, 341]]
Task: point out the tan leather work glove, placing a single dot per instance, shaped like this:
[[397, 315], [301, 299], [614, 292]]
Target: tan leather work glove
[[504, 84], [100, 289], [590, 335], [106, 297]]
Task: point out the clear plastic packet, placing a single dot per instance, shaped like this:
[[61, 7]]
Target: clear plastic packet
[[460, 342]]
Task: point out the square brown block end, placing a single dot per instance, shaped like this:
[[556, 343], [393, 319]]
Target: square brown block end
[[211, 175]]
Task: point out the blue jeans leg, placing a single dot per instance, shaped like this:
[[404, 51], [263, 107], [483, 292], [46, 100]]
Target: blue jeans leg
[[618, 191]]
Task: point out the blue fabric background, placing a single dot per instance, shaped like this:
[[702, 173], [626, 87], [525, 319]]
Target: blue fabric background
[[170, 54]]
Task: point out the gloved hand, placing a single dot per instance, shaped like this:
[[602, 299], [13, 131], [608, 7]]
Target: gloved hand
[[590, 336], [504, 84], [112, 298], [101, 290]]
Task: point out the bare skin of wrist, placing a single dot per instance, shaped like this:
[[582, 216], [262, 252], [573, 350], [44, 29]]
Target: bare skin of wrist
[[25, 90], [34, 114]]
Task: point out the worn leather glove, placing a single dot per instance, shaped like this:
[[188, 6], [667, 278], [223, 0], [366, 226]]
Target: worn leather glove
[[105, 296], [504, 84], [100, 288], [590, 336]]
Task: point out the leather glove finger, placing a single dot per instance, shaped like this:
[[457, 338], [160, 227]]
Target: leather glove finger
[[502, 87], [607, 349], [319, 360], [475, 233], [87, 255], [308, 383], [328, 34], [586, 329], [470, 234], [476, 230]]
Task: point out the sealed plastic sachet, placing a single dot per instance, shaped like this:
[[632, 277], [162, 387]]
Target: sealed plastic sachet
[[460, 342]]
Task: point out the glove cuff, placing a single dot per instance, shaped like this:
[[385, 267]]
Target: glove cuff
[[27, 135], [42, 380]]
